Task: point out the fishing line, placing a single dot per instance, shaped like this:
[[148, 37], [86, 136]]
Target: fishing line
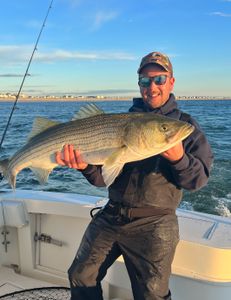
[[26, 74]]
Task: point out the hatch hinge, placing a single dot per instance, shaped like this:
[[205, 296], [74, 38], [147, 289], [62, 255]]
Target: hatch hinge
[[47, 239], [5, 242]]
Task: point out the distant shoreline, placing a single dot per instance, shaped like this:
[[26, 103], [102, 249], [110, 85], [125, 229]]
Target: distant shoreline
[[89, 99], [61, 99]]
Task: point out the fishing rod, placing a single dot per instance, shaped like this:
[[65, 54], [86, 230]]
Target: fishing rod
[[26, 73]]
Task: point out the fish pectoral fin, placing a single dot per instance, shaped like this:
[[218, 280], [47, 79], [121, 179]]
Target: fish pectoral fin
[[110, 173], [41, 174], [41, 124], [113, 166]]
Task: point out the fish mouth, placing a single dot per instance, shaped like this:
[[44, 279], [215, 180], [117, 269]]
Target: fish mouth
[[184, 132]]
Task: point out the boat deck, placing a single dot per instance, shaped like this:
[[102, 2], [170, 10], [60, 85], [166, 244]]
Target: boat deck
[[11, 282], [19, 287], [201, 265]]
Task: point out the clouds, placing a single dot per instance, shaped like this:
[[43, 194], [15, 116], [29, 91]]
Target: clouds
[[220, 14], [100, 18], [60, 55], [96, 13], [106, 39], [11, 75], [108, 92], [14, 54]]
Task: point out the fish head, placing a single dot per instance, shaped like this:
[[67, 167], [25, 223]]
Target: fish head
[[155, 134]]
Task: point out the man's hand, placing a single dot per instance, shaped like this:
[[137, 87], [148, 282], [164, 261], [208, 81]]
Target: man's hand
[[175, 153], [71, 158]]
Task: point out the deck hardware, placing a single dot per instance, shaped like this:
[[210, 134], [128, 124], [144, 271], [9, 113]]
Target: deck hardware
[[5, 241], [16, 268], [209, 233], [47, 239], [5, 230]]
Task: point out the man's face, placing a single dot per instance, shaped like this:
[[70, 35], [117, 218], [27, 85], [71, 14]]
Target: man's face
[[156, 95]]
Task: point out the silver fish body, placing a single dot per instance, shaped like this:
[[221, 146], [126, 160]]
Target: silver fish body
[[110, 140]]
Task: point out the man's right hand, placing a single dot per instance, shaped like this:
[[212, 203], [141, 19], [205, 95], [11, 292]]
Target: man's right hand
[[71, 158]]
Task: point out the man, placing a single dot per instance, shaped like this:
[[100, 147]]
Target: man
[[139, 220]]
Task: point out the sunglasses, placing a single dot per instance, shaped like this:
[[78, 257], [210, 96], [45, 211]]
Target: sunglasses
[[158, 80]]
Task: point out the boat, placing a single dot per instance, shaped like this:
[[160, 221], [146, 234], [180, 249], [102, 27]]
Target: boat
[[41, 232]]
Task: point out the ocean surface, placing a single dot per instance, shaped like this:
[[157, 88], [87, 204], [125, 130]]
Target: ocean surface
[[213, 116]]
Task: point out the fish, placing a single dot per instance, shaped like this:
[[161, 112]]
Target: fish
[[107, 139]]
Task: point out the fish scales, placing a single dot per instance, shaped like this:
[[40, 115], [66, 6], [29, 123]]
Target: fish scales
[[107, 139], [88, 135]]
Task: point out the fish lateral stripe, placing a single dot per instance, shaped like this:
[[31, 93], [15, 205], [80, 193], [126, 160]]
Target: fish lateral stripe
[[101, 140]]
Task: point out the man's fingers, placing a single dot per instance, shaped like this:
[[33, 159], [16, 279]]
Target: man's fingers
[[58, 157], [72, 158], [175, 153], [80, 163], [66, 154]]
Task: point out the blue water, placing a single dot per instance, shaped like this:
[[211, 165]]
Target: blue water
[[213, 117]]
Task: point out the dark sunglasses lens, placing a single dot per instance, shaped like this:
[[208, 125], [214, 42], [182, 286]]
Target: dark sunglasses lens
[[145, 81], [159, 80]]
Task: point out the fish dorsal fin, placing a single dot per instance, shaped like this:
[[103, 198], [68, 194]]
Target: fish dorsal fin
[[88, 111], [41, 124]]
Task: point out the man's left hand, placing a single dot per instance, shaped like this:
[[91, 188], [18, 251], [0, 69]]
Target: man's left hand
[[175, 153]]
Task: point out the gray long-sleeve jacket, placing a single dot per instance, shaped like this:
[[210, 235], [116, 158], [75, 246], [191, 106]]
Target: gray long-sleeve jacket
[[155, 181]]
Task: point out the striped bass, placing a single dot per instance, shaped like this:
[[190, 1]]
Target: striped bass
[[110, 140]]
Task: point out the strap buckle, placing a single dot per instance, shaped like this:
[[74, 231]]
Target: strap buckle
[[125, 212]]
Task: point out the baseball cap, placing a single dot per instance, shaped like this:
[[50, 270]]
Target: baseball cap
[[156, 58]]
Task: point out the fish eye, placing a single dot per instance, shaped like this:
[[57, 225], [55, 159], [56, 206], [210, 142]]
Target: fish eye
[[164, 127]]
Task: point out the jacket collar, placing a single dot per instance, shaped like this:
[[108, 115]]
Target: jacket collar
[[169, 106]]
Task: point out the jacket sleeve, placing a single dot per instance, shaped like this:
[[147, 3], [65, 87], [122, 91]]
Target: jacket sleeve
[[94, 175], [193, 170]]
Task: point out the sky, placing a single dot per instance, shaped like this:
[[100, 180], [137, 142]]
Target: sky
[[94, 47]]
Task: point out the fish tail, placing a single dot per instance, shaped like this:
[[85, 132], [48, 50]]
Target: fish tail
[[6, 173], [4, 166]]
